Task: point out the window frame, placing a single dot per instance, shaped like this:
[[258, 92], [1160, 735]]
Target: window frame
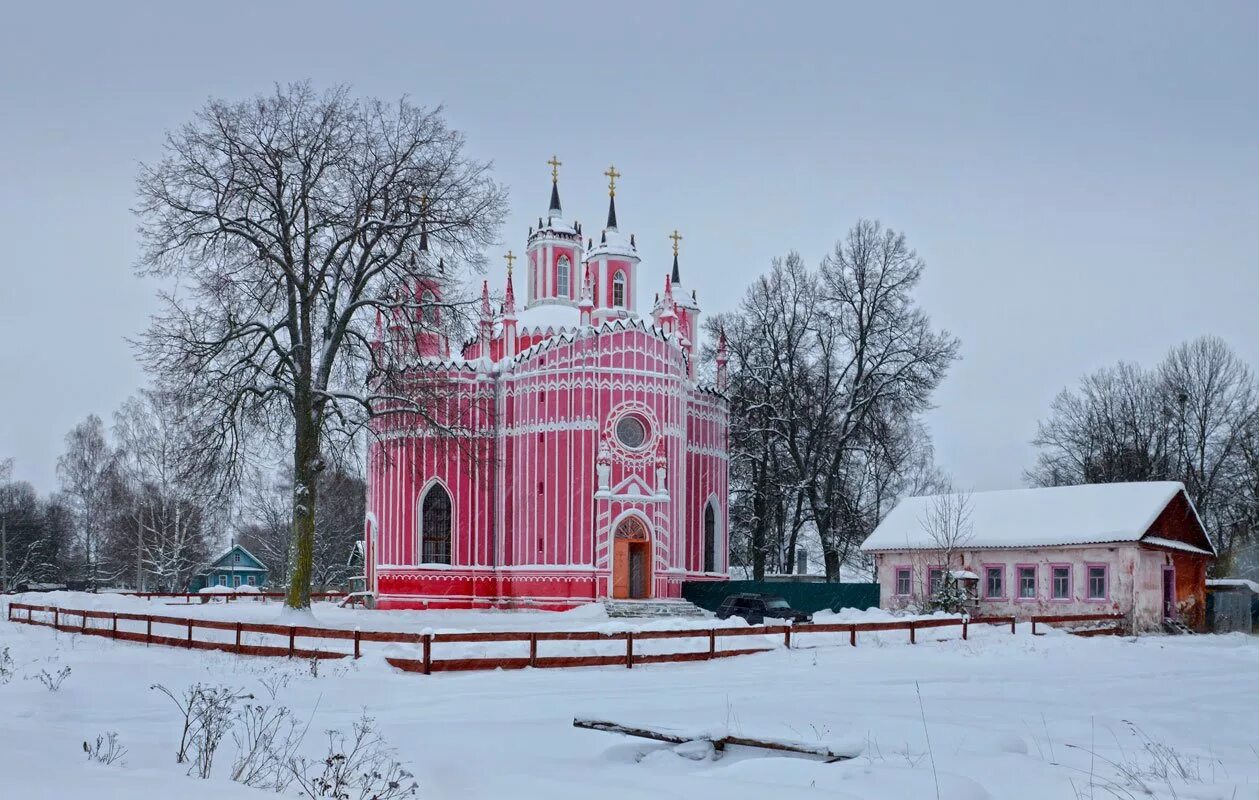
[[927, 583], [1018, 583], [1053, 582], [896, 580], [563, 277], [620, 284], [1088, 582], [428, 307], [222, 580], [1004, 594], [422, 557], [253, 580]]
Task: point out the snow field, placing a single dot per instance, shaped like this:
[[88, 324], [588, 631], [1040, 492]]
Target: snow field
[[1007, 716]]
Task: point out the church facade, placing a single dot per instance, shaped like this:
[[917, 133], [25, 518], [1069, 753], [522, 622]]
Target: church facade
[[590, 462]]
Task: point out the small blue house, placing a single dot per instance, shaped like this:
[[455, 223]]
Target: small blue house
[[235, 568]]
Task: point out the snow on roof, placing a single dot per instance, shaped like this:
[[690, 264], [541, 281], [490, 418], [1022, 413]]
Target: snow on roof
[[548, 316], [1172, 544], [963, 575], [1232, 583], [1059, 515]]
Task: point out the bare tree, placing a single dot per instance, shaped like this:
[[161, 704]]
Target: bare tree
[[946, 519], [1191, 419], [86, 471], [295, 221]]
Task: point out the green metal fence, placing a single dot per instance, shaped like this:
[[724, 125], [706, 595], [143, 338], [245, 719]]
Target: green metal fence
[[809, 597]]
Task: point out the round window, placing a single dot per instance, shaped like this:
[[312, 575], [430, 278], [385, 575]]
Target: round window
[[631, 432]]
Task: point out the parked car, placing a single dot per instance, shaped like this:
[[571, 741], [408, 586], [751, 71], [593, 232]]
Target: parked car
[[757, 608]]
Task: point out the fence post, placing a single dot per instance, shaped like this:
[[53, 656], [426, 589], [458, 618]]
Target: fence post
[[56, 618], [148, 630], [83, 623], [1033, 626], [629, 650], [912, 639], [852, 636], [358, 651], [712, 643], [964, 628], [189, 634], [533, 649], [428, 653], [238, 637], [1013, 621], [115, 628], [292, 639], [787, 637]]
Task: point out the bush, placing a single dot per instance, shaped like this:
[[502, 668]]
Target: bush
[[359, 766]]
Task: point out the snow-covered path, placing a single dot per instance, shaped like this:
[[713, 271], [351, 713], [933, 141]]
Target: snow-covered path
[[1002, 713]]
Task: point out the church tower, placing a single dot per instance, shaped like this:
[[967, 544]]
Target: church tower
[[613, 264], [554, 253]]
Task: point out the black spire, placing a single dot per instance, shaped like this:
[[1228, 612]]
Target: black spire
[[423, 240], [677, 274], [554, 210], [603, 238], [611, 214]]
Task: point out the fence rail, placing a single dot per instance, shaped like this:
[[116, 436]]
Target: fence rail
[[229, 596], [76, 621]]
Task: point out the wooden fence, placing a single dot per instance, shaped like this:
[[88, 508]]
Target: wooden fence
[[228, 596], [76, 621]]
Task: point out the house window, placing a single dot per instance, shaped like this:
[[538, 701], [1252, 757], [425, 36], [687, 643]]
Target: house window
[[935, 580], [222, 580], [253, 581], [561, 276], [618, 288], [710, 539], [235, 581], [1060, 576], [435, 526], [236, 558], [994, 583], [903, 578], [1027, 582], [1099, 582]]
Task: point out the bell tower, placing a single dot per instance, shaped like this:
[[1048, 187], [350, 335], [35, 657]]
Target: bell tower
[[554, 253]]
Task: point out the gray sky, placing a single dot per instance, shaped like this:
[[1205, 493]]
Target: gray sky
[[1080, 179]]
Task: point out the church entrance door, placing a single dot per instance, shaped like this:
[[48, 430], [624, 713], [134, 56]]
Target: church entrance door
[[631, 560]]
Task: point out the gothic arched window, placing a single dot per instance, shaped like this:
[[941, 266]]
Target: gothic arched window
[[435, 526], [618, 288], [561, 277], [428, 308], [710, 539]]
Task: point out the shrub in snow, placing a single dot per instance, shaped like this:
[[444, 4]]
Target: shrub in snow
[[6, 666], [267, 738], [53, 682], [357, 766], [208, 713], [950, 597], [105, 749]]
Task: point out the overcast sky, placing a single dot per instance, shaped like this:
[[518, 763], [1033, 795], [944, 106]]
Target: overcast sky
[[1082, 179]]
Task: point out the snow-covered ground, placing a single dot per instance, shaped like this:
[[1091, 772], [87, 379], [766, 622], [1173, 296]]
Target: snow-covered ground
[[1007, 716]]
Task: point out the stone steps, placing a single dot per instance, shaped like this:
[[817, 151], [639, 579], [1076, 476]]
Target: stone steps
[[653, 608]]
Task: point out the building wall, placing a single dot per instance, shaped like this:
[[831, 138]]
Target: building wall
[[530, 522], [1134, 585]]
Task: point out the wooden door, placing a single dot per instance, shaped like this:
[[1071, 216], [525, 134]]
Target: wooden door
[[620, 569], [638, 571], [1169, 593]]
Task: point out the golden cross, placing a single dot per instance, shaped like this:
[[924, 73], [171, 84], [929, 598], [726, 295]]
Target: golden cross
[[510, 258], [676, 237], [612, 176], [555, 168]]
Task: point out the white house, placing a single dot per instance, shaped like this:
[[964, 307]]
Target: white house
[[1132, 548]]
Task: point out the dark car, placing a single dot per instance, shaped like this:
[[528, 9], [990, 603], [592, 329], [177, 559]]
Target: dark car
[[757, 608]]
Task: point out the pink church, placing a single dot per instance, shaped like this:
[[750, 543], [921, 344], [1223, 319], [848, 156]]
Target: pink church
[[592, 463]]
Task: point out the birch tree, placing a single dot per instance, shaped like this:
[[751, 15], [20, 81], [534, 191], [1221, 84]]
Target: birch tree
[[290, 224], [86, 471]]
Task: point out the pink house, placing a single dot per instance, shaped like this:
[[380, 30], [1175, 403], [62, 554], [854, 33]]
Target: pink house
[[1133, 548]]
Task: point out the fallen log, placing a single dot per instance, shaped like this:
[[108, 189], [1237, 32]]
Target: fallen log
[[720, 741]]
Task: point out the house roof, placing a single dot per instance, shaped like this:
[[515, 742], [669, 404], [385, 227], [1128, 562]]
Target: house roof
[[1053, 516], [216, 562]]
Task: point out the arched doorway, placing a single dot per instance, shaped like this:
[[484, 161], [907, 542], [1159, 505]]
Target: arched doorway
[[435, 526], [631, 560], [710, 538]]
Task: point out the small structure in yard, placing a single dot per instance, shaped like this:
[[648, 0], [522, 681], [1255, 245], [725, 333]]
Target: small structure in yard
[[1131, 548], [1232, 605], [233, 569]]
